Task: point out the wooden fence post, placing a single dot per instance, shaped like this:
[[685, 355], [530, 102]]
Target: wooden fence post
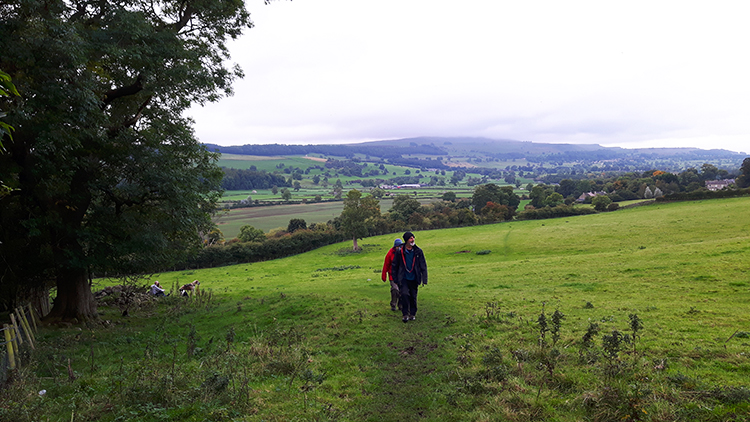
[[9, 345], [15, 327], [32, 316], [26, 327]]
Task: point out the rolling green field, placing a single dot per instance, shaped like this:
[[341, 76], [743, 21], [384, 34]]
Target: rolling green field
[[272, 217], [311, 337]]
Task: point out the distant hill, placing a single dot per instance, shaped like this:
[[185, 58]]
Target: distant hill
[[496, 148]]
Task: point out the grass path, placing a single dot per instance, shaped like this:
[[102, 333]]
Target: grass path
[[399, 385]]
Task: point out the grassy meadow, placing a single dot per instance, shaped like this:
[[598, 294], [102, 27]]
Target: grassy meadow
[[272, 217], [652, 323]]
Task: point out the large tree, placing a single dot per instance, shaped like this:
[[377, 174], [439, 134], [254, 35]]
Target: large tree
[[491, 192], [358, 213], [743, 181], [108, 176]]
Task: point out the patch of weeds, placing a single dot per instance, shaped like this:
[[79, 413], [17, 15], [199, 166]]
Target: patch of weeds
[[484, 252], [464, 354], [618, 403], [742, 334], [588, 305], [660, 364], [192, 341], [585, 353], [683, 382], [612, 344], [543, 327], [693, 311], [340, 268], [730, 395], [362, 249], [493, 357], [215, 383], [636, 325], [492, 310], [521, 356], [557, 318]]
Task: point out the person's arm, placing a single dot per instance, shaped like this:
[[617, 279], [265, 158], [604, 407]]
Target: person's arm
[[395, 263], [423, 268], [387, 265]]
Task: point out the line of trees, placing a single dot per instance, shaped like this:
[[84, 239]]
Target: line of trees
[[237, 179]]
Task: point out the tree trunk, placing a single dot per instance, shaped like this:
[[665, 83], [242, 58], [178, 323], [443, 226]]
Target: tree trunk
[[356, 248], [74, 301]]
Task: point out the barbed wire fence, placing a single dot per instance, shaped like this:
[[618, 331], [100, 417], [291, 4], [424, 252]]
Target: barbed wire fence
[[17, 340]]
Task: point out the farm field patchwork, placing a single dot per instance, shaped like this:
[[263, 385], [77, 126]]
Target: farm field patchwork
[[311, 337]]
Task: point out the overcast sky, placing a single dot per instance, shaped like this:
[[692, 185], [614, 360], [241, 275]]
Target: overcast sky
[[630, 74]]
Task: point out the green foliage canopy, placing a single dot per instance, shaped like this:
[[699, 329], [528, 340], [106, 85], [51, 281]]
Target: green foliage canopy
[[107, 173], [249, 233], [403, 207], [491, 192]]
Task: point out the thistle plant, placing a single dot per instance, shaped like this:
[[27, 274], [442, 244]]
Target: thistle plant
[[557, 318], [635, 326], [543, 327]]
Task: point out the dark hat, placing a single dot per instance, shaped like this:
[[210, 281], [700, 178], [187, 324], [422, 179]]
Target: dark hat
[[397, 242], [407, 236]]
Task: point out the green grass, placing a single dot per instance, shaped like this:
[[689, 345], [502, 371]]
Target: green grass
[[311, 337]]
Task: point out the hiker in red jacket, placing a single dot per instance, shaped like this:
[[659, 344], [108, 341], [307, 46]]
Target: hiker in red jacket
[[395, 294]]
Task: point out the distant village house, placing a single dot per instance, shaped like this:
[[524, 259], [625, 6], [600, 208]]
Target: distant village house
[[586, 195], [718, 184], [404, 186]]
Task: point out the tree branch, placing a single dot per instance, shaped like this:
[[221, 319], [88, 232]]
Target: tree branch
[[123, 91], [187, 14], [132, 121]]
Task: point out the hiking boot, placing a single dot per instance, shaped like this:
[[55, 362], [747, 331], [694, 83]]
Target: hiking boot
[[412, 318], [405, 318]]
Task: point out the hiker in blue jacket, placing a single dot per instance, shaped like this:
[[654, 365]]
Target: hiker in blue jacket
[[409, 270]]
